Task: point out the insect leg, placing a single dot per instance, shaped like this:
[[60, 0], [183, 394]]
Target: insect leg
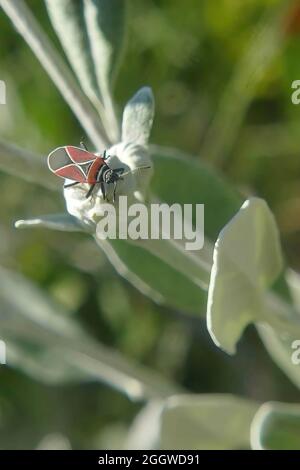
[[89, 193], [102, 186], [114, 194], [119, 170], [70, 184]]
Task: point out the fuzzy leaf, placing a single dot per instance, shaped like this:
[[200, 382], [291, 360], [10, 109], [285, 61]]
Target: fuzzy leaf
[[247, 260], [19, 162], [169, 287], [279, 344], [197, 422], [92, 35], [105, 20], [276, 426], [105, 23], [67, 18], [27, 25], [43, 363], [63, 222], [194, 422], [54, 441], [138, 117], [145, 429]]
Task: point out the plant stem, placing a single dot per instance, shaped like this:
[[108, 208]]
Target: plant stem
[[280, 315]]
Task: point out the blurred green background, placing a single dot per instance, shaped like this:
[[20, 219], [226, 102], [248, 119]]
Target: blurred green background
[[190, 53]]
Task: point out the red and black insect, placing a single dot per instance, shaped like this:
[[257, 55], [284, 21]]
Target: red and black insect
[[82, 166]]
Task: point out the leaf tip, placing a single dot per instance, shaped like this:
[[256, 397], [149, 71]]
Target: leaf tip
[[19, 223]]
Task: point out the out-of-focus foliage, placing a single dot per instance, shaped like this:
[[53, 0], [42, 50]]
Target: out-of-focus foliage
[[189, 52]]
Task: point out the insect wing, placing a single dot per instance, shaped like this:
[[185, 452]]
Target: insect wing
[[58, 159], [79, 156], [71, 163], [74, 163], [60, 163], [89, 163]]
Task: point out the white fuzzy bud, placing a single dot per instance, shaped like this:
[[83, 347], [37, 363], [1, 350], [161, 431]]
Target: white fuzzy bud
[[134, 184]]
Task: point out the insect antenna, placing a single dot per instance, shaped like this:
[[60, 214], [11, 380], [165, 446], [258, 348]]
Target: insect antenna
[[115, 188], [135, 170], [83, 146], [90, 191]]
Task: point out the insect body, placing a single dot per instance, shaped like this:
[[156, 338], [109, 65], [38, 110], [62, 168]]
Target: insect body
[[82, 166]]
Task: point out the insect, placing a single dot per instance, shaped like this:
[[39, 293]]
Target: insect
[[82, 166]]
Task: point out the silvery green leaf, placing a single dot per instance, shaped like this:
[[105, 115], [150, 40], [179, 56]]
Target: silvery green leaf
[[280, 344], [145, 430], [54, 441], [197, 422], [105, 23], [27, 25], [67, 18], [27, 165], [44, 364], [194, 422], [63, 222], [276, 426], [138, 117], [293, 281], [247, 260]]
